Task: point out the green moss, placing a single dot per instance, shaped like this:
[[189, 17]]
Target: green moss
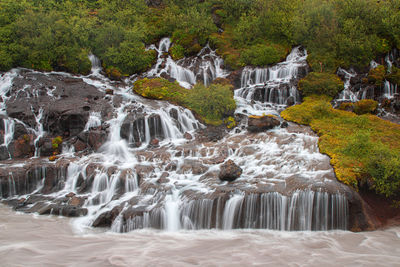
[[230, 122], [361, 147], [55, 142], [365, 106], [212, 104], [319, 83]]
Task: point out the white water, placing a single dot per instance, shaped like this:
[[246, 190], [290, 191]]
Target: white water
[[206, 67], [263, 88], [50, 241]]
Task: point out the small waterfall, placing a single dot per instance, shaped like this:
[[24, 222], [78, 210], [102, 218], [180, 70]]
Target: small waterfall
[[273, 85], [94, 121], [39, 132], [96, 65], [9, 125], [206, 66], [389, 90], [347, 94], [232, 209]]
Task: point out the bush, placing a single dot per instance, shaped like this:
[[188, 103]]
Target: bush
[[212, 103], [262, 55], [177, 52], [365, 106], [319, 83], [377, 75]]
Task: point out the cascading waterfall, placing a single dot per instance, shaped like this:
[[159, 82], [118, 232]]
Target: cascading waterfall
[[272, 85], [131, 186], [206, 67], [347, 94]]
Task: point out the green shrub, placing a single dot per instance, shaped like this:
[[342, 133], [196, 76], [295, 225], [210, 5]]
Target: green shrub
[[377, 75], [55, 142], [394, 76], [212, 104], [262, 55], [365, 106], [319, 83], [177, 52]]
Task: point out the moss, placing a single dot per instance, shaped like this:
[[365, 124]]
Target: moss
[[354, 143], [230, 122], [319, 83], [377, 75], [212, 104], [346, 106], [55, 142], [113, 73], [365, 106]]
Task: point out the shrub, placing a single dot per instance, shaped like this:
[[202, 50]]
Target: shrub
[[319, 83], [177, 52], [365, 106], [394, 76], [377, 75], [262, 55], [212, 103], [55, 142]]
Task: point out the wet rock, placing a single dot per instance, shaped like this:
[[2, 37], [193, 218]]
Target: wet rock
[[76, 201], [21, 148], [97, 138], [192, 166], [262, 123], [173, 113], [69, 195], [4, 154], [163, 178], [188, 136], [106, 218], [64, 210], [229, 171], [79, 146], [290, 101], [284, 124], [45, 147], [154, 143]]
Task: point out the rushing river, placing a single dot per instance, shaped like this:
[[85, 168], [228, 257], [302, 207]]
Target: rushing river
[[29, 240]]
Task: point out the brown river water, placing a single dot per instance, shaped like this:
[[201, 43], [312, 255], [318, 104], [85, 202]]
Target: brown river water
[[31, 240]]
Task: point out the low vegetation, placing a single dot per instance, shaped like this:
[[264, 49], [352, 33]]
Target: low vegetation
[[320, 83], [364, 149], [213, 104]]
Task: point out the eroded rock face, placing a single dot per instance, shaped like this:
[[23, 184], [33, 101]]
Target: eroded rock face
[[262, 123], [229, 171]]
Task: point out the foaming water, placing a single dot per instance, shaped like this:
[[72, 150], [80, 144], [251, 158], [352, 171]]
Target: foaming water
[[50, 241]]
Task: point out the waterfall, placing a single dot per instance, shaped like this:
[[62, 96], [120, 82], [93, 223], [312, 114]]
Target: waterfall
[[206, 66], [271, 85], [94, 121], [347, 94], [96, 65], [389, 90]]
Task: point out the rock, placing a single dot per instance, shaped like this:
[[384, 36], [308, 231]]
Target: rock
[[229, 171], [163, 178], [154, 143], [109, 91], [97, 138], [262, 123], [284, 124], [188, 136], [290, 101], [76, 201], [154, 3], [79, 146], [106, 218], [69, 195]]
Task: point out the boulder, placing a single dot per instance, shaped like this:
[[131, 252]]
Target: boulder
[[229, 171], [262, 123]]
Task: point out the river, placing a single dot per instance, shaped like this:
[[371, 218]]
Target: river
[[31, 240]]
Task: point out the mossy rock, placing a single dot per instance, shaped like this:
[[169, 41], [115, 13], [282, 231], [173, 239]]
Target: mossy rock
[[320, 83], [262, 55], [365, 106]]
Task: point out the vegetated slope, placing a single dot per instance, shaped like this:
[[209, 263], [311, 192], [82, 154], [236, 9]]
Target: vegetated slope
[[58, 35]]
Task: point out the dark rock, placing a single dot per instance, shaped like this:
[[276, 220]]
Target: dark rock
[[97, 138], [290, 101], [4, 154], [188, 136], [229, 171], [154, 3], [106, 218], [154, 143], [79, 146], [262, 123], [193, 166], [173, 113], [284, 124], [163, 178]]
